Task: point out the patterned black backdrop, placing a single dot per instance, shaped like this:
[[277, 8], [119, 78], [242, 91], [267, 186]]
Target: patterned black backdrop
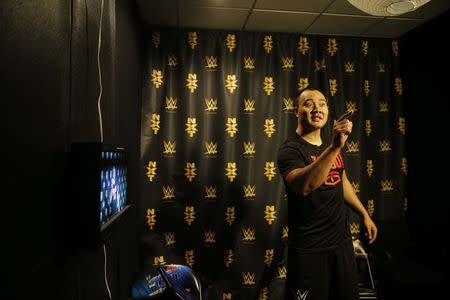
[[216, 107]]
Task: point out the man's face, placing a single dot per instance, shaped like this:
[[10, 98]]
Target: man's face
[[312, 110]]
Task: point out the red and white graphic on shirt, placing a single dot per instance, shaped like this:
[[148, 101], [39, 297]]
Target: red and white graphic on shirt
[[333, 177]]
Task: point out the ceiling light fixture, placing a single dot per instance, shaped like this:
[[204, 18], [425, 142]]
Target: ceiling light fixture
[[387, 8]]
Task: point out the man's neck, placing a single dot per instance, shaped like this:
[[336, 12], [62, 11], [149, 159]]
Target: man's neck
[[312, 137]]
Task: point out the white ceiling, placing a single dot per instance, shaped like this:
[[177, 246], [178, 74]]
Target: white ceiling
[[330, 17]]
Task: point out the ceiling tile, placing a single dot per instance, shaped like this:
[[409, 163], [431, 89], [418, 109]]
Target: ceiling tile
[[219, 3], [344, 7], [392, 27], [268, 20], [295, 5], [212, 17], [342, 24], [158, 12]]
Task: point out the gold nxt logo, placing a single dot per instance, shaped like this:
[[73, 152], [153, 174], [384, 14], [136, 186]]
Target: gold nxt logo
[[151, 218], [249, 191], [268, 85], [231, 171], [395, 48], [248, 234], [231, 126], [264, 294], [365, 47], [156, 38], [369, 167], [285, 233], [303, 82], [210, 192], [211, 105], [211, 62], [401, 125], [366, 87], [154, 123], [404, 165], [351, 106], [158, 260], [169, 148], [385, 146], [387, 186], [332, 47], [228, 259], [211, 149], [349, 67], [189, 257], [288, 104], [303, 45], [231, 83], [172, 61], [352, 146], [249, 105], [189, 214], [171, 104], [270, 214], [319, 65], [169, 192], [151, 170], [288, 63], [370, 207], [230, 215], [269, 127], [249, 148], [169, 239], [282, 272], [190, 171], [354, 228], [231, 42], [191, 126], [210, 237], [157, 78], [267, 43], [381, 67], [269, 170], [249, 63], [268, 256], [398, 85], [333, 86], [355, 186], [383, 107], [192, 39], [192, 82], [368, 127], [248, 279]]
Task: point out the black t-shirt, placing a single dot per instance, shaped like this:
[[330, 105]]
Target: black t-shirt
[[318, 220]]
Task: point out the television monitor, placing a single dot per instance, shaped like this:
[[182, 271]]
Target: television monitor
[[98, 190]]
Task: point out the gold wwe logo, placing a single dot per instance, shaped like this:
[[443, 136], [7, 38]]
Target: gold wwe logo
[[268, 43], [231, 126], [189, 257], [151, 218], [381, 67], [249, 234], [249, 105], [349, 67], [190, 171], [171, 103], [210, 236], [211, 148], [303, 82], [398, 85], [249, 191], [189, 214], [248, 278], [157, 78], [355, 186], [285, 233], [249, 148], [169, 238], [211, 105], [395, 48], [270, 214], [192, 82], [385, 146], [191, 126], [231, 171], [158, 260], [333, 86], [156, 38], [192, 39], [383, 107], [352, 147], [228, 259], [303, 45], [268, 85], [404, 165], [319, 65], [230, 215], [231, 42], [387, 186], [249, 63], [370, 207], [231, 83], [269, 127], [282, 272], [288, 104], [366, 87], [368, 127], [154, 123], [268, 256], [288, 63], [354, 228], [365, 47], [401, 125], [369, 166], [151, 170], [332, 47], [211, 62], [211, 192], [168, 191], [269, 170], [172, 61], [169, 147]]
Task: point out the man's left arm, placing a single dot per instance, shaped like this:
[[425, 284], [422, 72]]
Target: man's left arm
[[352, 199]]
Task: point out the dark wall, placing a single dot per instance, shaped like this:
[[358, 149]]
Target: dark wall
[[49, 90]]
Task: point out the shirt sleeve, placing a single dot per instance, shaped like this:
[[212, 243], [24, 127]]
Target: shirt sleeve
[[289, 158]]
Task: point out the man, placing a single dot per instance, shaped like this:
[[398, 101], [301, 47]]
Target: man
[[321, 263]]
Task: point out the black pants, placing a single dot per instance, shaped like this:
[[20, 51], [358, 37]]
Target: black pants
[[323, 274]]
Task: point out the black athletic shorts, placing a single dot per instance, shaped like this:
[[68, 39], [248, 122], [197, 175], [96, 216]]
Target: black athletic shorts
[[322, 274]]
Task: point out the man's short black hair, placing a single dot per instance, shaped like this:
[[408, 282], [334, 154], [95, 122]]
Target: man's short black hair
[[308, 88]]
